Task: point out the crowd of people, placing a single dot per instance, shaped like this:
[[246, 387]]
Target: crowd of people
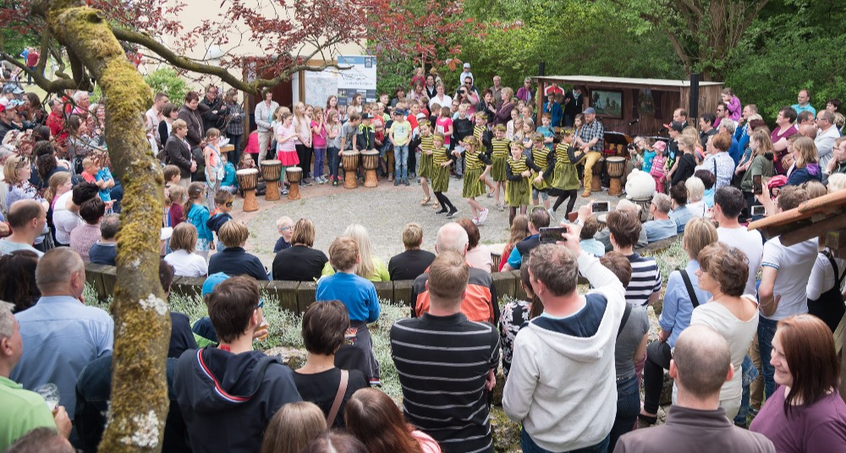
[[746, 328]]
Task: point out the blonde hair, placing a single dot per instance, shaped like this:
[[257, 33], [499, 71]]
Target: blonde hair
[[765, 143], [283, 221], [695, 189], [58, 179], [281, 113], [233, 233], [212, 133], [11, 167], [359, 233], [698, 234], [807, 151], [836, 182], [293, 427], [343, 253], [412, 235]]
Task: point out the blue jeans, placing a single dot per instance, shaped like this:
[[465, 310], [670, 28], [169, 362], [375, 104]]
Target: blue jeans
[[628, 406], [319, 153], [749, 375], [401, 162], [529, 446], [334, 161], [766, 332]]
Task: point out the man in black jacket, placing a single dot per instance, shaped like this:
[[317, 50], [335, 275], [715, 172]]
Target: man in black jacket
[[229, 394], [215, 115]]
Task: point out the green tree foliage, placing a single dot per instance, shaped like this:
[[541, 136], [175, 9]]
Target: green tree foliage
[[794, 44], [167, 81]]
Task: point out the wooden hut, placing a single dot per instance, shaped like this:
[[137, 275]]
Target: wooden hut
[[635, 106]]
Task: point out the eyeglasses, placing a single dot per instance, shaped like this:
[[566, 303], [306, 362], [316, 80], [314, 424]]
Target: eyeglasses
[[285, 228], [228, 204], [260, 304]]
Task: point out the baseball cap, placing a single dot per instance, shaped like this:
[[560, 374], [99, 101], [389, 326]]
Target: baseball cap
[[589, 111], [14, 103], [8, 88], [676, 126], [466, 65], [2, 108], [660, 145], [17, 90], [212, 281], [366, 116]]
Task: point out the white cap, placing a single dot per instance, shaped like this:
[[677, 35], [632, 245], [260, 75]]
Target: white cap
[[466, 65]]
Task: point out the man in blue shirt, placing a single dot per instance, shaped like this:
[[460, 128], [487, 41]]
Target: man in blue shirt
[[104, 251], [60, 334], [804, 105], [539, 219], [662, 226]]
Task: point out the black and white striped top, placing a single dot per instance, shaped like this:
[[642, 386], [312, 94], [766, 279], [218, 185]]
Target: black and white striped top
[[646, 279], [443, 363]]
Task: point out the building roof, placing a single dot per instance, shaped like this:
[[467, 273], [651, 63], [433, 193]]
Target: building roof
[[602, 80], [824, 215]]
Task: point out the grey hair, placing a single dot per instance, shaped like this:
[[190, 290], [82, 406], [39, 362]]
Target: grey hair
[[452, 237], [7, 319], [729, 124], [662, 202], [78, 95]]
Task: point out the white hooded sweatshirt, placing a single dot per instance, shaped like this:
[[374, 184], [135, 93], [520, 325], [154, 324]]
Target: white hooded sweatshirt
[[562, 382]]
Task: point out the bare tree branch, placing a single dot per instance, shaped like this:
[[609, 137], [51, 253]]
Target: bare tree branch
[[50, 86]]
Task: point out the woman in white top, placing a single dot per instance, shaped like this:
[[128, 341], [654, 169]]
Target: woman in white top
[[444, 100], [184, 259], [722, 272]]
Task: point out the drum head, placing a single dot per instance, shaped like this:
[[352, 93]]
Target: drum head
[[247, 171], [615, 159], [271, 162], [351, 153], [294, 169]]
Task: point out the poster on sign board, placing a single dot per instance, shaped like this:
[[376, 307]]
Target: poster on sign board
[[360, 78]]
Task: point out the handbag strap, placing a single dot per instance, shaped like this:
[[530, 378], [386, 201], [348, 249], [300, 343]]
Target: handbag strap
[[838, 279], [689, 285], [626, 313], [339, 397]]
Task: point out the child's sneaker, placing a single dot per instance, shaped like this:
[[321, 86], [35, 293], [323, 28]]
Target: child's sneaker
[[483, 216]]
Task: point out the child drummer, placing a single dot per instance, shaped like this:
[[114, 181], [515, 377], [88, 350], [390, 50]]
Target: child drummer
[[477, 166], [441, 160]]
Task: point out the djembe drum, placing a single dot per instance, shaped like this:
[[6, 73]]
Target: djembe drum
[[370, 162], [616, 166], [247, 181], [596, 183], [294, 175], [350, 162], [271, 172]]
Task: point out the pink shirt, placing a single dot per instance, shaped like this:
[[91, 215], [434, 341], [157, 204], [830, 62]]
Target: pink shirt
[[442, 125], [318, 140], [427, 444], [284, 132]]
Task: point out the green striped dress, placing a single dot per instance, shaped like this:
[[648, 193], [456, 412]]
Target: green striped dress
[[440, 175], [540, 157], [517, 192], [425, 168], [474, 166], [566, 177], [498, 158]]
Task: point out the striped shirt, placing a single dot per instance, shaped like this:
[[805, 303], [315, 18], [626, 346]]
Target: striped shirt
[[475, 160], [443, 363], [517, 166], [426, 143], [479, 132], [441, 155], [561, 153], [500, 148], [646, 279]]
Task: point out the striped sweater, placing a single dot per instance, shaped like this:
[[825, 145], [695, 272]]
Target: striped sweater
[[443, 363]]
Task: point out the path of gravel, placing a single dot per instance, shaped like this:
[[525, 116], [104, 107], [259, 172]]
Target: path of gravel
[[382, 210]]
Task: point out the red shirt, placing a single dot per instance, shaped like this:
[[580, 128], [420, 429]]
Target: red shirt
[[32, 58], [56, 123]]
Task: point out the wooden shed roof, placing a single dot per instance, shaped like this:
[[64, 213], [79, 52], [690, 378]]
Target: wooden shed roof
[[824, 215], [602, 80]]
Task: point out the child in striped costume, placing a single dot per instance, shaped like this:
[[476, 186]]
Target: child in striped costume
[[424, 165], [499, 154], [518, 189], [484, 136], [542, 163], [440, 175], [477, 166], [565, 180]]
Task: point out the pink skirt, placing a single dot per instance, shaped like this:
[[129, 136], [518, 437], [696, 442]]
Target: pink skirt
[[288, 158]]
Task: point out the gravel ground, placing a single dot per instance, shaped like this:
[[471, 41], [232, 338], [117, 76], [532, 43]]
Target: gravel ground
[[382, 210]]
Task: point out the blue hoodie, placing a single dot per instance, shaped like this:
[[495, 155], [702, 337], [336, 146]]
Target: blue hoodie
[[811, 172]]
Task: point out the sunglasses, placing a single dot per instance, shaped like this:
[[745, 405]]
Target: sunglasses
[[260, 304]]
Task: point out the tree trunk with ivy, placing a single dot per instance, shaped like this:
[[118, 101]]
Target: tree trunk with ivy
[[139, 398]]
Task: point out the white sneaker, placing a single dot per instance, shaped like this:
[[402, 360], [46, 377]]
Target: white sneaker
[[483, 216], [475, 220]]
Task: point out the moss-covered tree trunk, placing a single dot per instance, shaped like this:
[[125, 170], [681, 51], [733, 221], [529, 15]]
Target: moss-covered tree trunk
[[139, 400]]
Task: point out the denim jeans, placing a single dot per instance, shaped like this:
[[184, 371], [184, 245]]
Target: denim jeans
[[319, 153], [749, 375], [334, 161], [628, 406], [401, 162], [529, 446], [766, 332]]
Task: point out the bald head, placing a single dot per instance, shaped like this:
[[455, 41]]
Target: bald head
[[626, 205], [23, 212], [808, 130], [702, 360], [452, 237], [60, 272]]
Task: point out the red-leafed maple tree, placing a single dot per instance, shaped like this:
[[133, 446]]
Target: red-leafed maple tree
[[93, 38]]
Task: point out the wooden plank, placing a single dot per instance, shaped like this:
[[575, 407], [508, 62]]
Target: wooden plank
[[519, 292], [285, 293], [504, 283], [814, 230], [305, 295], [385, 290], [94, 277], [188, 286], [402, 292], [109, 276]]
